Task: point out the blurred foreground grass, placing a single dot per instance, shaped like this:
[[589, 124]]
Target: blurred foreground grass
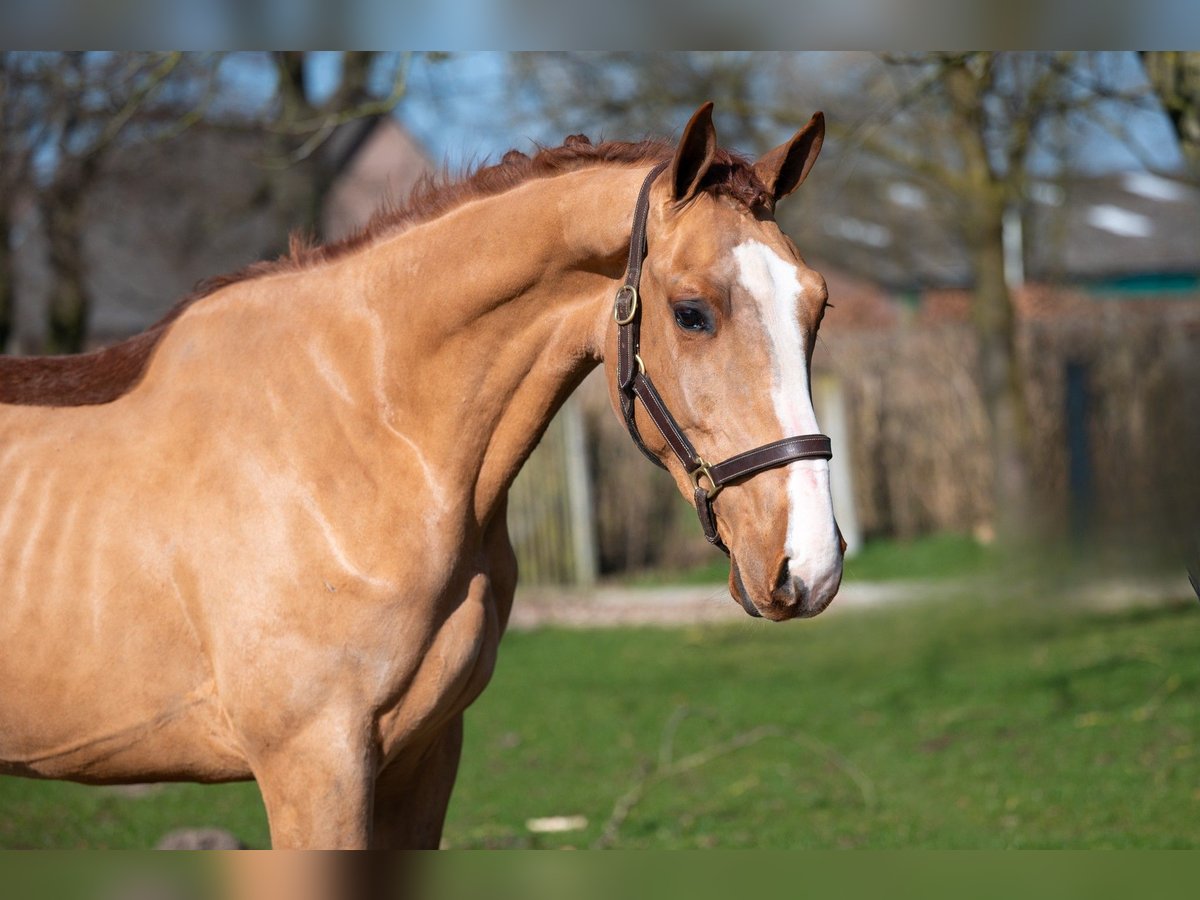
[[995, 721]]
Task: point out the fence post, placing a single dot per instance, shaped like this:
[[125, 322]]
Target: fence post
[[579, 493], [830, 402]]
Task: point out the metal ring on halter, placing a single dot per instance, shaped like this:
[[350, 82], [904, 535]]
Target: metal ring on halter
[[633, 304], [703, 471]]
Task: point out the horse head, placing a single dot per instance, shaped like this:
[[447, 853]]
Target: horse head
[[718, 331]]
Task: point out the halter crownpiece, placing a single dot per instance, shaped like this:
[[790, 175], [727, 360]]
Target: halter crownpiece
[[633, 382]]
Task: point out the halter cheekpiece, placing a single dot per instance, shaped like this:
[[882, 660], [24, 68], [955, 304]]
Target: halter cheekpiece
[[634, 382]]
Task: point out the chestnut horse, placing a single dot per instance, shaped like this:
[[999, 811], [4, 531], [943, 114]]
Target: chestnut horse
[[266, 538]]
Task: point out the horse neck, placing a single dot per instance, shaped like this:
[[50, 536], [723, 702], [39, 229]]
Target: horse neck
[[493, 313]]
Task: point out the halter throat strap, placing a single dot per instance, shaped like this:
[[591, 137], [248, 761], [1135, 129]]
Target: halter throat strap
[[634, 384]]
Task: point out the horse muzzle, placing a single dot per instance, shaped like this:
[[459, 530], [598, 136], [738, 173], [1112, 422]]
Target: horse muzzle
[[790, 597]]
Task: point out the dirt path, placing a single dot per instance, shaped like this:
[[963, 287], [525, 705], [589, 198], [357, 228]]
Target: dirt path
[[669, 606], [610, 605]]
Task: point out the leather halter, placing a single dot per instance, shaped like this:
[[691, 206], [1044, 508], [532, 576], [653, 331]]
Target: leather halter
[[634, 382]]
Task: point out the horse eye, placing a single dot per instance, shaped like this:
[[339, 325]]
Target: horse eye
[[691, 318]]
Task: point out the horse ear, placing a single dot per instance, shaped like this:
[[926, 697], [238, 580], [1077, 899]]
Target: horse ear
[[694, 154], [785, 168]]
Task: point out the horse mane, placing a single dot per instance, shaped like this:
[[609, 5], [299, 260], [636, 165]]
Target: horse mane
[[102, 376]]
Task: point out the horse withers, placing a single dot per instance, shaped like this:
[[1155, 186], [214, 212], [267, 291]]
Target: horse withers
[[266, 538]]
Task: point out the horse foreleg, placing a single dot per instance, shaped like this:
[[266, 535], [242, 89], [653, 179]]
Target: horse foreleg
[[318, 790], [410, 802]]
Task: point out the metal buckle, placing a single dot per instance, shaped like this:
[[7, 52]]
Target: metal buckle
[[633, 304], [702, 471], [641, 365]]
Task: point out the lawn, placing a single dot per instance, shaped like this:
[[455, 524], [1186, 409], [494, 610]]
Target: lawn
[[931, 556], [968, 722]]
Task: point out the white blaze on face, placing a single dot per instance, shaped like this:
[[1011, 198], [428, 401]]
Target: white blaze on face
[[814, 555]]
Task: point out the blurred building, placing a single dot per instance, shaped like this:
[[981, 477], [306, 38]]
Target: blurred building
[[380, 162], [1132, 229], [165, 215], [1105, 274]]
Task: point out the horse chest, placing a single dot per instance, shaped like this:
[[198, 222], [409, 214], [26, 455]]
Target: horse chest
[[452, 672]]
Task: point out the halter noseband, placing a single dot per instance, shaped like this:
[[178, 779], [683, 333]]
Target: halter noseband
[[633, 382]]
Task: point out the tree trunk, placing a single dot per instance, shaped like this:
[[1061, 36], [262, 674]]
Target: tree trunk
[[967, 83], [66, 327], [8, 290], [306, 201], [1000, 374], [1175, 76]]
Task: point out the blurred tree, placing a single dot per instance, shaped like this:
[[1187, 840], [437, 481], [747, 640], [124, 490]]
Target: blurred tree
[[964, 122], [969, 125], [63, 114], [1175, 76], [966, 126], [305, 113], [91, 102], [645, 93], [21, 129]]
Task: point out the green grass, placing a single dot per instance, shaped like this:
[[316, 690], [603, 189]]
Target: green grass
[[932, 556], [37, 815], [955, 724], [958, 723], [715, 570]]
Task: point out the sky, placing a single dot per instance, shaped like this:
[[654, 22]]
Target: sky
[[461, 111]]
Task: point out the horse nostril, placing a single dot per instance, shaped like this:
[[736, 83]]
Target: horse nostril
[[783, 578]]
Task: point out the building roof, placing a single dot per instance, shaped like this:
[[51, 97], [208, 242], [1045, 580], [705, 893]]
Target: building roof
[[383, 165], [1133, 223], [904, 236]]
